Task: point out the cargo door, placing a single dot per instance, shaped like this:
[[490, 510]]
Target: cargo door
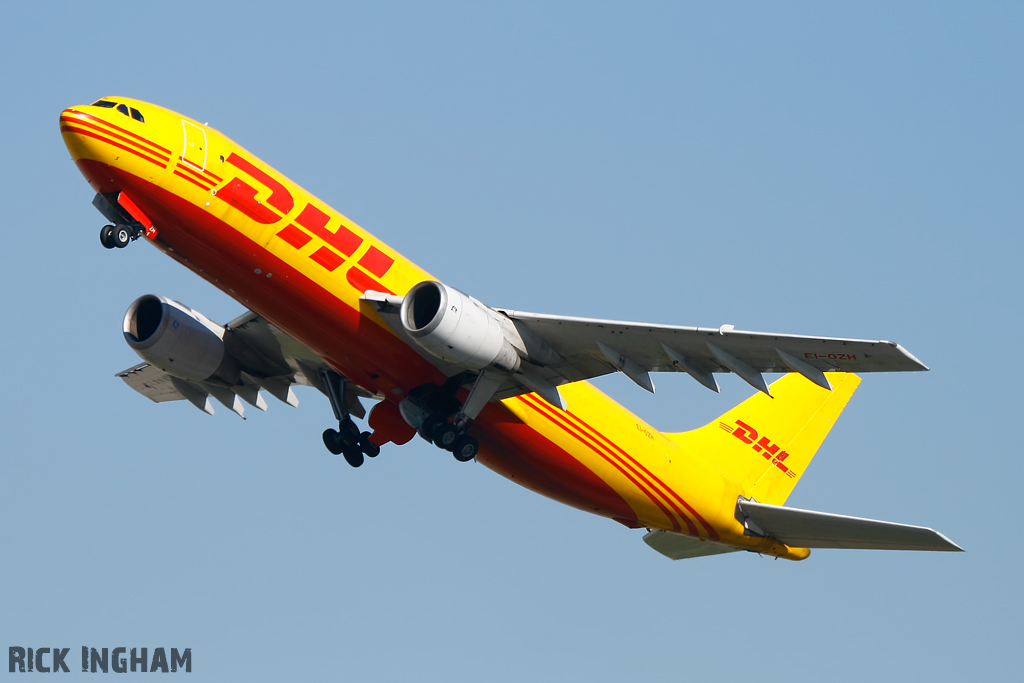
[[194, 152]]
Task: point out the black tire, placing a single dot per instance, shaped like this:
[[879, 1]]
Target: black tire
[[445, 434], [427, 428], [349, 432], [107, 237], [369, 448], [465, 448], [353, 457], [122, 236], [333, 441]]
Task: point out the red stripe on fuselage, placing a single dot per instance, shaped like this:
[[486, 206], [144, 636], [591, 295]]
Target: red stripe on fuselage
[[70, 120], [563, 421], [659, 486], [125, 131], [712, 534], [191, 180], [520, 453], [101, 138], [202, 179], [212, 176], [159, 150]]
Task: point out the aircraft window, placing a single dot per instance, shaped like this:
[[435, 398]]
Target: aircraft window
[[137, 115], [106, 104], [123, 109]]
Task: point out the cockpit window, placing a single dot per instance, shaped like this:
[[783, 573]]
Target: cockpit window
[[124, 109]]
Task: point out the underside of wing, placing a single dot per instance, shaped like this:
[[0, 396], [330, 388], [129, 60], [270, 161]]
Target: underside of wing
[[250, 356], [151, 382], [592, 347], [556, 350]]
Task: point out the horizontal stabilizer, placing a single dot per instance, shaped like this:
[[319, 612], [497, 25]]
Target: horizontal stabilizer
[[678, 547], [808, 529]]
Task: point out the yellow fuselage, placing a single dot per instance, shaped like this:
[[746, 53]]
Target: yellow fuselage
[[294, 260]]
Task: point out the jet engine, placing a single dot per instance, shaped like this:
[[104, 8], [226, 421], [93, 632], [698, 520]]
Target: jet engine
[[457, 328], [178, 340]]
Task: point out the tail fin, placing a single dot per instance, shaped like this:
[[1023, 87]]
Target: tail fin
[[766, 443]]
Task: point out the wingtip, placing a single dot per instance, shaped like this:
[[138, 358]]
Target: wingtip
[[953, 546], [921, 367]]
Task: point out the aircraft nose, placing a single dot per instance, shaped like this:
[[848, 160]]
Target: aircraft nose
[[74, 128], [85, 140]]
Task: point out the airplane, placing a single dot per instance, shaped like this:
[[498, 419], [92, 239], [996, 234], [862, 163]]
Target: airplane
[[334, 307]]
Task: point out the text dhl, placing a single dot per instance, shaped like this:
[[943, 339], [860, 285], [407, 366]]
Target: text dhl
[[311, 221], [764, 446]]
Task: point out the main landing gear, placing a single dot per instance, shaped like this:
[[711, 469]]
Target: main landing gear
[[431, 406], [347, 440], [451, 437], [118, 236], [428, 407]]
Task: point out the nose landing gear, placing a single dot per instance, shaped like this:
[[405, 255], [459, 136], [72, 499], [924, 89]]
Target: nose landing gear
[[117, 236]]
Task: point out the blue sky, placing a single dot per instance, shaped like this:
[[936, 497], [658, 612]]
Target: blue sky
[[796, 168]]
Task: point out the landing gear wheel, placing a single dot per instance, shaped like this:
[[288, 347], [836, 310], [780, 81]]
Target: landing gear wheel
[[427, 428], [369, 448], [353, 457], [333, 441], [122, 236], [445, 434], [465, 448], [349, 432], [107, 236]]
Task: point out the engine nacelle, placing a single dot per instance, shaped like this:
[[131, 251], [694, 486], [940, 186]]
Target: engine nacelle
[[457, 328], [178, 340]]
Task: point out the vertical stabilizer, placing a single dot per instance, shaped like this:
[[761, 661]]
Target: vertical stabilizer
[[767, 442]]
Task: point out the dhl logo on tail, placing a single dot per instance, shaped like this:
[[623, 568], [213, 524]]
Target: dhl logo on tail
[[764, 446]]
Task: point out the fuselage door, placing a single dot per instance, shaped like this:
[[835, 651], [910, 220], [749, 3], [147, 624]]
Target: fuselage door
[[194, 151]]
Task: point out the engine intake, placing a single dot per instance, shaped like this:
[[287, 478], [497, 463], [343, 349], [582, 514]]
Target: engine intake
[[178, 340], [457, 328]]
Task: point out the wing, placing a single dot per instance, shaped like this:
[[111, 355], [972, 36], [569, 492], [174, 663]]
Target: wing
[[593, 347], [562, 349], [269, 360]]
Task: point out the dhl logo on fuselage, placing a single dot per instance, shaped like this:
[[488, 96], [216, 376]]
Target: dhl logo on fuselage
[[340, 244], [762, 445]]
